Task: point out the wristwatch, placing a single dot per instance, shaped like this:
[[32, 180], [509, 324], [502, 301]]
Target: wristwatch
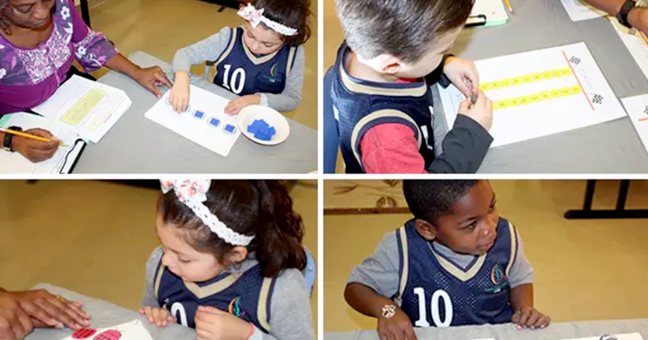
[[622, 16], [6, 143]]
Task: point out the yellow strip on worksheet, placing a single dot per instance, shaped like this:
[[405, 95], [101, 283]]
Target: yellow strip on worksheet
[[84, 106]]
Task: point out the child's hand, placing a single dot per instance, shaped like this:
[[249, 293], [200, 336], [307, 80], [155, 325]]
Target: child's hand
[[481, 112], [398, 327], [529, 317], [159, 316], [179, 97], [236, 105], [463, 74], [214, 324]]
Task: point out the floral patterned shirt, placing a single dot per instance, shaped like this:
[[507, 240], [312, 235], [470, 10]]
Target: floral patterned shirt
[[29, 76]]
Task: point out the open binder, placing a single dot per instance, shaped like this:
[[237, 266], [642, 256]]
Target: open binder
[[62, 162], [487, 13]]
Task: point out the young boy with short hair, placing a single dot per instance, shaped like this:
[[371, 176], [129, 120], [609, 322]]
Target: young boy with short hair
[[383, 105], [457, 262]]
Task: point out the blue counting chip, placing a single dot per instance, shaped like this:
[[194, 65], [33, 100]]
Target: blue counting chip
[[261, 130], [215, 122], [199, 114], [229, 128]]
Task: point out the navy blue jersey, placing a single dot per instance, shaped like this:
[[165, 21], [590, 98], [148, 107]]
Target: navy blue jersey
[[360, 105], [435, 291], [245, 295], [243, 73]]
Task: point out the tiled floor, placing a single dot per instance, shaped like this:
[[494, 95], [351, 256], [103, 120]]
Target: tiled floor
[[584, 269], [93, 237], [161, 27]]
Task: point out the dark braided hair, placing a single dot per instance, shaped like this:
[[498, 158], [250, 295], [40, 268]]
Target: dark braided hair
[[5, 24]]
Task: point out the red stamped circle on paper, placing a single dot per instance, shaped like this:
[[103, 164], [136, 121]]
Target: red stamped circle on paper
[[109, 335], [83, 333]]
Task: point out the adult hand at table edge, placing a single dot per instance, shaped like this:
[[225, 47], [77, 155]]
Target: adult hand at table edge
[[14, 322], [152, 77], [42, 305]]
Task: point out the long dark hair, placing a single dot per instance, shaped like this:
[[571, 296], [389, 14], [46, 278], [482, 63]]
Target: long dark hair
[[292, 13], [260, 208]]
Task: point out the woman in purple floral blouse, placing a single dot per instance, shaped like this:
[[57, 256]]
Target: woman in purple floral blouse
[[39, 40]]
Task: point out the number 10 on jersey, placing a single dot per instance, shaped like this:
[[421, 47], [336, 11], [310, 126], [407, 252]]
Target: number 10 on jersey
[[434, 308], [238, 79]]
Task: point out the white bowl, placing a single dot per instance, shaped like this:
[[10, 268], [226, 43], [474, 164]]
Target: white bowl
[[275, 119]]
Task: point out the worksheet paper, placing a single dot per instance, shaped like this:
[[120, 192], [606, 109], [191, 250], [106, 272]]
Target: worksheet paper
[[580, 10], [133, 330], [539, 93], [634, 42], [637, 108], [63, 159], [204, 122], [88, 107], [627, 336]]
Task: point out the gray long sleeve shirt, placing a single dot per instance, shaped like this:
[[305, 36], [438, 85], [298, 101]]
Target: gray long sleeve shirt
[[289, 306], [211, 48], [380, 270]]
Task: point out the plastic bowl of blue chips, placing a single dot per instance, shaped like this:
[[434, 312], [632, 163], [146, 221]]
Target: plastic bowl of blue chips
[[263, 125]]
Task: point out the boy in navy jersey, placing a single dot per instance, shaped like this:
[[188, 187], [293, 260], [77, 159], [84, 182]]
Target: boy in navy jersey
[[383, 104], [456, 263]]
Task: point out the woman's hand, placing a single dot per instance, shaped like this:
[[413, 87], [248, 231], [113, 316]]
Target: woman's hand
[[236, 105], [160, 316], [35, 150], [152, 77], [52, 311], [14, 322], [214, 324]]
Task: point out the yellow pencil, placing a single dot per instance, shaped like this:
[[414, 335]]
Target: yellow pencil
[[508, 4], [27, 135], [643, 36]]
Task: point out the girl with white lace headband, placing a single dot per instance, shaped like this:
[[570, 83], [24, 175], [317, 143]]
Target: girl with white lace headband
[[262, 61], [230, 262]]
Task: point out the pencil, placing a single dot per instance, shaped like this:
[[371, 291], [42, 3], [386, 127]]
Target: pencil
[[27, 135], [508, 4], [643, 36]]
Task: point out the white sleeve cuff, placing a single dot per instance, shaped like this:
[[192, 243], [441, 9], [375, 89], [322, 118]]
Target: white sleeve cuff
[[264, 99], [257, 335]]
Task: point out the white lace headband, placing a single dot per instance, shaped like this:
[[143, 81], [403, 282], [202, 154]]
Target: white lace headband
[[255, 16], [193, 193]]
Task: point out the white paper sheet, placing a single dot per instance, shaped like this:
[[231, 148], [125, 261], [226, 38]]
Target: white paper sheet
[[88, 107], [589, 99], [61, 162], [133, 330], [637, 108], [635, 44], [199, 130], [626, 336], [580, 10]]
